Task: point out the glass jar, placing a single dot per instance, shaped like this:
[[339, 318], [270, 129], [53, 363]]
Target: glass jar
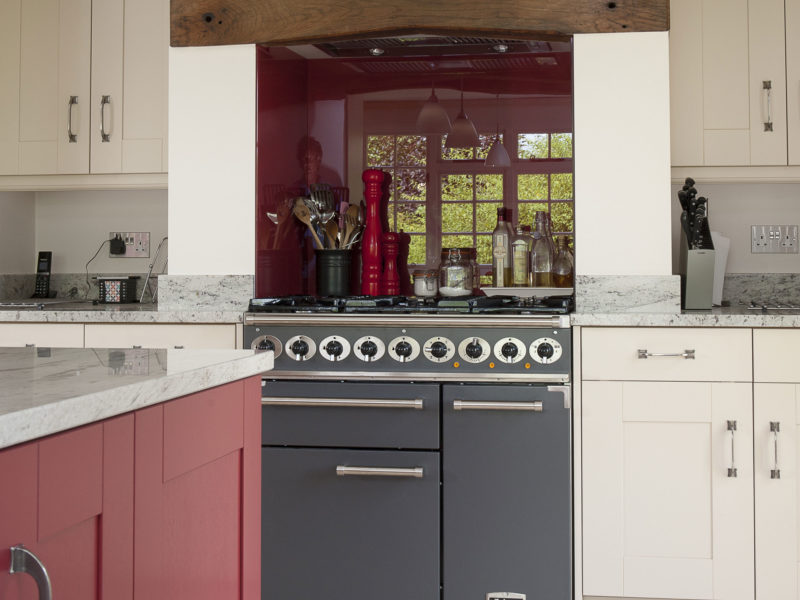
[[455, 273], [426, 283], [473, 262]]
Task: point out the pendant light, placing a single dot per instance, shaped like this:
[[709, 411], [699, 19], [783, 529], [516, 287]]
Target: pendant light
[[498, 155], [432, 118], [463, 134]]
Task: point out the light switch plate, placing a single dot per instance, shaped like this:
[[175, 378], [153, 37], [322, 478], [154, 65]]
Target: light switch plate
[[773, 239], [137, 244]]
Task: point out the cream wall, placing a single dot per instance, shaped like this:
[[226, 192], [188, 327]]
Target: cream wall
[[17, 252], [622, 154], [212, 157]]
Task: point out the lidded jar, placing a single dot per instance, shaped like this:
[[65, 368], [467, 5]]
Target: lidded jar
[[455, 273], [426, 283]]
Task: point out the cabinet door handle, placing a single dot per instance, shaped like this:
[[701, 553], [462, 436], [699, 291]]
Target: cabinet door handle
[[469, 405], [416, 403], [775, 428], [343, 471], [25, 561], [104, 101], [687, 354], [732, 472], [73, 138], [767, 87]]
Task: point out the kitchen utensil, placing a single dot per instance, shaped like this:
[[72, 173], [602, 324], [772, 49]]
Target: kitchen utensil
[[303, 214], [332, 233], [350, 223]]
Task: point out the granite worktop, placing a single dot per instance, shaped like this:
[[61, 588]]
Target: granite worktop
[[89, 312], [725, 316], [47, 390]]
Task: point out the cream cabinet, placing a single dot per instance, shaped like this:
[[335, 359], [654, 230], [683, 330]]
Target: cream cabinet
[[147, 335], [793, 78], [53, 335], [729, 61]]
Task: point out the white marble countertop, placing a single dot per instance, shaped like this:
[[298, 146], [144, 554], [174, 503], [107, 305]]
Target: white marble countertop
[[87, 312], [47, 390], [731, 316]]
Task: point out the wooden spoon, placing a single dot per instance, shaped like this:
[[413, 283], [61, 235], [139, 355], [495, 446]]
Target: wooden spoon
[[304, 215], [350, 222], [332, 233]]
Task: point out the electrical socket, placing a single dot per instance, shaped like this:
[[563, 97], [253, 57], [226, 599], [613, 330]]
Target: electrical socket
[[137, 244], [773, 239]]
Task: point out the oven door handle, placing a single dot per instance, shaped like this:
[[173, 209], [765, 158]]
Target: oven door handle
[[472, 405], [342, 471], [416, 403]]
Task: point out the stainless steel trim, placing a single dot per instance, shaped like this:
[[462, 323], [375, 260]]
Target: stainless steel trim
[[343, 471], [775, 428], [73, 138], [25, 561], [688, 354], [104, 100], [505, 596], [393, 320], [767, 87], [564, 389], [474, 405], [732, 471], [416, 403], [412, 377]]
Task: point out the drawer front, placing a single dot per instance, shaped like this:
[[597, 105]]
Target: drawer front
[[692, 354], [161, 336], [48, 335], [775, 355], [352, 415]]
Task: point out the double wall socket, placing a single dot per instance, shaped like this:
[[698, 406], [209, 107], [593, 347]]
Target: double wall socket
[[137, 244], [773, 239]]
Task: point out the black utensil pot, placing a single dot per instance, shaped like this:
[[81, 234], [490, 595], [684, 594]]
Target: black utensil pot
[[333, 272]]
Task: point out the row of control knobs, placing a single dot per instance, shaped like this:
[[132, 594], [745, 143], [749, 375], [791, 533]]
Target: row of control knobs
[[437, 349]]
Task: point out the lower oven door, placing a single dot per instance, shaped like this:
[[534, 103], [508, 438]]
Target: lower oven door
[[333, 531], [506, 480]]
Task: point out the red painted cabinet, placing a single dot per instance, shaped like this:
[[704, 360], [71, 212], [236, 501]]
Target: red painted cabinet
[[160, 503]]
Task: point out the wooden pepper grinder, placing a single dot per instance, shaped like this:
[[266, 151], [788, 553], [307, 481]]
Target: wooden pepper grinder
[[390, 280], [373, 233]]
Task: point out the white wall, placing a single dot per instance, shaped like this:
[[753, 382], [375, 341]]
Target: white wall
[[622, 154], [17, 231], [212, 157], [733, 208], [73, 224]]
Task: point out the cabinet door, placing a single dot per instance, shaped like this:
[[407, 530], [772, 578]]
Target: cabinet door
[[49, 335], [776, 422], [9, 90], [661, 516], [220, 335], [793, 78], [55, 37], [130, 40]]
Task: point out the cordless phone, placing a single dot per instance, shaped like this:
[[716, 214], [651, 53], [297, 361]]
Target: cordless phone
[[42, 287]]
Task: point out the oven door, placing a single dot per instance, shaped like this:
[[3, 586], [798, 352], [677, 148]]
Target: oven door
[[506, 481]]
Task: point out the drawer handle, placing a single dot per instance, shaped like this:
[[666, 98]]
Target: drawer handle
[[732, 471], [71, 137], [470, 405], [343, 471], [767, 87], [687, 354], [104, 136], [25, 561], [416, 403], [775, 428]]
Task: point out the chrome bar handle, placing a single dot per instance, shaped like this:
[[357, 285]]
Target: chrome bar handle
[[775, 428], [767, 87], [470, 405], [104, 100], [343, 471], [687, 354], [25, 561], [73, 138], [416, 403], [732, 472], [505, 596]]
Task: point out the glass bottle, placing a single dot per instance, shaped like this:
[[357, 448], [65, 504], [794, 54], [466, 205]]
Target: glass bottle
[[563, 267], [455, 273], [543, 253], [501, 254], [520, 259], [526, 231]]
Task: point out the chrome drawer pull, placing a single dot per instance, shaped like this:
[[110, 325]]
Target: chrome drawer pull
[[469, 405], [104, 136], [416, 404], [767, 87], [775, 428], [343, 471], [688, 354], [732, 471], [71, 137], [25, 561]]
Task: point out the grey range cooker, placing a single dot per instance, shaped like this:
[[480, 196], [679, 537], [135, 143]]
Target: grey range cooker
[[416, 449]]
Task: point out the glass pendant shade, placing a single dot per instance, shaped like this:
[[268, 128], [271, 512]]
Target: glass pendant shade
[[462, 134], [432, 118], [498, 155]]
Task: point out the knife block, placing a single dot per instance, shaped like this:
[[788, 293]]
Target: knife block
[[697, 273]]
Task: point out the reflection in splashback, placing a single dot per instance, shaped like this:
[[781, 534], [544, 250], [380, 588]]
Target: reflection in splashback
[[762, 288], [69, 285]]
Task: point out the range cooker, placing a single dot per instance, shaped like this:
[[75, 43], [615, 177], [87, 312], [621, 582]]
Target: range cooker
[[415, 449]]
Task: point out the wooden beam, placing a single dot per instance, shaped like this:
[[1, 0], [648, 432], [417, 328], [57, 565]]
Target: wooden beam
[[288, 22]]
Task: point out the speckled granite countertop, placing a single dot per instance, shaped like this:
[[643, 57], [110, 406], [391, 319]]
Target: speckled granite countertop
[[87, 312], [44, 390], [732, 316]]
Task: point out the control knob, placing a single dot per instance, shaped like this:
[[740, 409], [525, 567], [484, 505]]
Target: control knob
[[474, 349], [403, 349], [334, 348], [509, 350], [369, 348], [300, 347], [439, 349], [265, 344], [545, 350]]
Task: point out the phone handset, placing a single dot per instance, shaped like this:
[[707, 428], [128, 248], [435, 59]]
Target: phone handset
[[43, 267]]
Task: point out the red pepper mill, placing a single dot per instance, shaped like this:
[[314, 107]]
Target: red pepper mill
[[373, 233], [390, 280]]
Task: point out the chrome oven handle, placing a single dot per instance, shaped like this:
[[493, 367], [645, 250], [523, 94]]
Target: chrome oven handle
[[416, 403], [25, 561], [343, 471], [471, 405], [643, 353]]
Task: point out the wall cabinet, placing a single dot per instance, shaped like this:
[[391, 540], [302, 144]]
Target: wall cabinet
[[729, 64], [84, 86]]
